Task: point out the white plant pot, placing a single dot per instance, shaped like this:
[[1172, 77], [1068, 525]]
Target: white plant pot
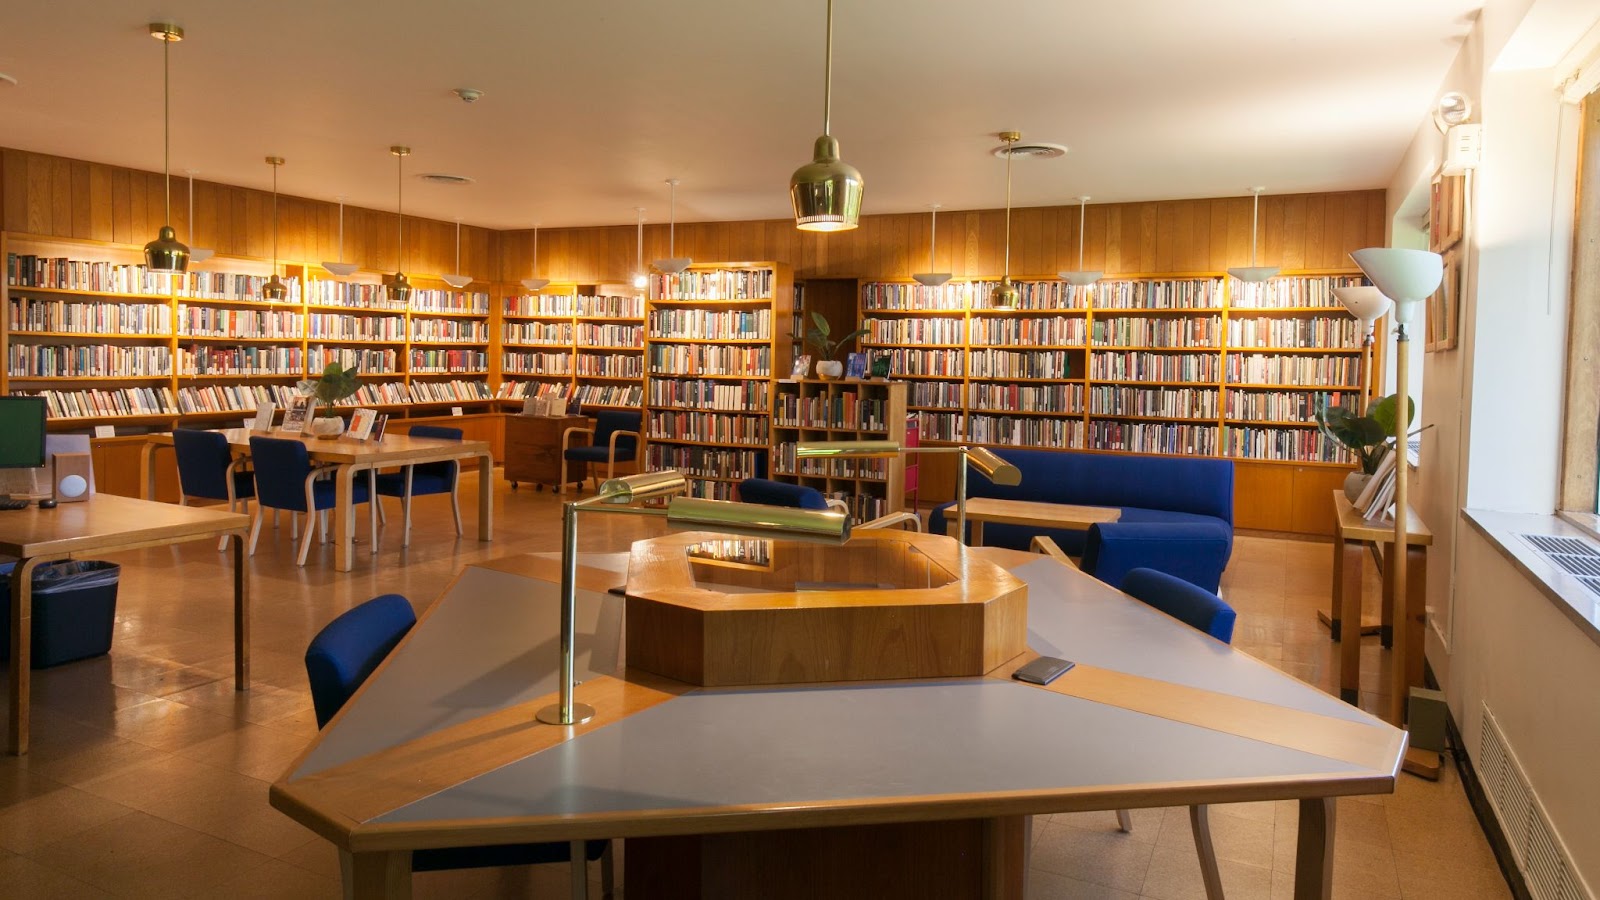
[[829, 369], [327, 427], [1354, 484]]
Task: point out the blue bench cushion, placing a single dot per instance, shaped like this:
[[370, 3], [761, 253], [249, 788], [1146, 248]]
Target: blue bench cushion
[[1071, 541]]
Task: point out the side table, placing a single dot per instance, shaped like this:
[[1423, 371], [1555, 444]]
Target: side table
[[1351, 534], [533, 449]]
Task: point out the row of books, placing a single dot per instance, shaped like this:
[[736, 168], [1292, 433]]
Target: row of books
[[712, 284], [232, 397], [1014, 364], [537, 333], [1177, 403], [784, 462], [709, 428], [87, 361], [1145, 331], [473, 303], [611, 365], [1177, 438], [352, 294], [205, 359], [1293, 292], [517, 362], [1051, 398], [366, 360], [1053, 331], [732, 396], [1278, 406], [941, 426], [931, 330], [1297, 444], [26, 314], [1320, 332], [627, 395], [709, 489], [464, 331], [1024, 431], [946, 363], [575, 305], [1148, 366], [449, 391], [593, 334], [963, 295], [211, 321], [437, 361], [695, 359], [1185, 293], [935, 393], [129, 401], [1299, 369], [62, 273], [844, 411], [705, 462], [322, 326], [700, 324]]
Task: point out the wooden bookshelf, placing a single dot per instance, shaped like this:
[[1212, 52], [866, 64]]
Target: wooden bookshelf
[[716, 336], [840, 410], [583, 343]]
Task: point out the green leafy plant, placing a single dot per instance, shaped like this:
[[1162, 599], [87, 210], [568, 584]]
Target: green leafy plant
[[820, 337], [335, 384], [1367, 436]]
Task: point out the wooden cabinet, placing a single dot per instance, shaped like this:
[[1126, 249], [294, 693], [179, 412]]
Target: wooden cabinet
[[533, 448], [1275, 497]]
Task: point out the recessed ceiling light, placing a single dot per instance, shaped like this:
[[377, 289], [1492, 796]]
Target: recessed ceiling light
[[442, 178]]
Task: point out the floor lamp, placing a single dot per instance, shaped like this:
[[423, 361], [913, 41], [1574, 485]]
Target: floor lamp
[[1367, 304], [1407, 277], [986, 461], [616, 496]]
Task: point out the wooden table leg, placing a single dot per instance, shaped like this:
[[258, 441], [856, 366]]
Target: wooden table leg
[[1347, 601], [485, 497], [147, 471], [1005, 852], [21, 652], [1386, 629], [376, 876], [344, 519], [1313, 858], [241, 613], [975, 526]]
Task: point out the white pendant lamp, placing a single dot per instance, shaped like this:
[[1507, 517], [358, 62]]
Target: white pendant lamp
[[1005, 295], [826, 192], [165, 254], [640, 279], [535, 283], [341, 269], [932, 279], [1080, 277], [275, 291], [1253, 273], [457, 281], [398, 284], [673, 264], [196, 254]]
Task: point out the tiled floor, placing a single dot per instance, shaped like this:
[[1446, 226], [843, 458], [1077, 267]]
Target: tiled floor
[[148, 775]]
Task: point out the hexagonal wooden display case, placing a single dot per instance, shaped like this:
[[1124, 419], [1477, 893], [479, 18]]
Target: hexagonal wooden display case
[[711, 610]]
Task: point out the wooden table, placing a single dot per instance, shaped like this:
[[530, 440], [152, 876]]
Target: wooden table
[[777, 790], [1028, 512], [351, 457], [106, 523], [1351, 534]]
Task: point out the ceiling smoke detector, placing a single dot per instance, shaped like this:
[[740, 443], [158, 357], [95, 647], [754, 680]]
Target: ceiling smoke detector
[[442, 178], [468, 95], [1031, 150]]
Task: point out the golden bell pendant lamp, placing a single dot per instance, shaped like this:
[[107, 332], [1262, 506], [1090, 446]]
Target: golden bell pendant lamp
[[826, 192]]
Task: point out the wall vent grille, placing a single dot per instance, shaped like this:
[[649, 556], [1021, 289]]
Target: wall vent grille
[[1574, 556], [1539, 852]]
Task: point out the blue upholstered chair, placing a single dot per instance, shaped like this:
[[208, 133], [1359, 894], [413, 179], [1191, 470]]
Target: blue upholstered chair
[[425, 478], [782, 493], [613, 439], [1197, 552], [208, 471], [340, 659], [1206, 612], [285, 479]]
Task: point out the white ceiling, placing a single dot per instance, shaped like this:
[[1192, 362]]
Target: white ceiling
[[589, 106]]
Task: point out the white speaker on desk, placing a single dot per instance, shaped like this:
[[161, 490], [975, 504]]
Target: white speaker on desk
[[71, 477]]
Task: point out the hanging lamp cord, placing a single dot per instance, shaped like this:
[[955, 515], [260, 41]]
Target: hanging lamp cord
[[400, 205], [166, 123], [827, 77], [1009, 146]]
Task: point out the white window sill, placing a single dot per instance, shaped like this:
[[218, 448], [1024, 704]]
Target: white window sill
[[1571, 596]]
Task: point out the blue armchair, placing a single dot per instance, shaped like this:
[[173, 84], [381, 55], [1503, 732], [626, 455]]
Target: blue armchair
[[341, 658], [207, 470], [285, 479], [425, 478]]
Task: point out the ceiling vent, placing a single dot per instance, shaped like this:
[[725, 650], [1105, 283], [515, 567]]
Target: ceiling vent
[[1031, 150], [442, 178]]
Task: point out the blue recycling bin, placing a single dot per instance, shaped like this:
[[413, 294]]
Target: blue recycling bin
[[74, 610]]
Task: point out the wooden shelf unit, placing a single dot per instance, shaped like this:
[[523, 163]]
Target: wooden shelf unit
[[840, 410], [1186, 364], [581, 342], [204, 343], [716, 337]]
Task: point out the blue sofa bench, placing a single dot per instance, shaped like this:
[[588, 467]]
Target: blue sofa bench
[[1177, 512]]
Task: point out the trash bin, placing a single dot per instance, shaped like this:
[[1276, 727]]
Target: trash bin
[[74, 610]]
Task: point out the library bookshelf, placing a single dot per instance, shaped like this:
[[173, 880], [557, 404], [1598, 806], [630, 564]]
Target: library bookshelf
[[1181, 364], [109, 344], [583, 343], [716, 337], [840, 410]]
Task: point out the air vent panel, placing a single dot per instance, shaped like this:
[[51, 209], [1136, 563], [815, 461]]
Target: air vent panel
[[1574, 556], [1534, 842]]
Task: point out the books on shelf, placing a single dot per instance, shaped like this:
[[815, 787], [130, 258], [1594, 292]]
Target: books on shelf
[[93, 404], [713, 284], [29, 314], [87, 361], [698, 324]]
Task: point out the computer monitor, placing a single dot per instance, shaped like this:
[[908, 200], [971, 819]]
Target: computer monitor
[[22, 432]]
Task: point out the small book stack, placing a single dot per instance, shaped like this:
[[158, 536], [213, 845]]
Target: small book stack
[[1377, 499]]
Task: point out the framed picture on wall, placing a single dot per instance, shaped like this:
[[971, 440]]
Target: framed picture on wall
[[1446, 212], [1444, 307]]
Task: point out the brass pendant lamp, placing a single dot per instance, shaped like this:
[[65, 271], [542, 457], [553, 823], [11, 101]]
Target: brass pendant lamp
[[1005, 295], [673, 264], [1080, 278], [1254, 274], [826, 192], [457, 281], [640, 279], [398, 284], [341, 269], [931, 278], [166, 254], [275, 290], [535, 283]]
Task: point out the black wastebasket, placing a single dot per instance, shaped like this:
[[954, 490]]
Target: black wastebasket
[[74, 610]]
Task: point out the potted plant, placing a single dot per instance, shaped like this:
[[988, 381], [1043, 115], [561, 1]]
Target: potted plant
[[335, 384], [820, 337], [1368, 436]]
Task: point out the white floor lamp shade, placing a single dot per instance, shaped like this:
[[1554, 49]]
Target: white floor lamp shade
[[1406, 276]]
